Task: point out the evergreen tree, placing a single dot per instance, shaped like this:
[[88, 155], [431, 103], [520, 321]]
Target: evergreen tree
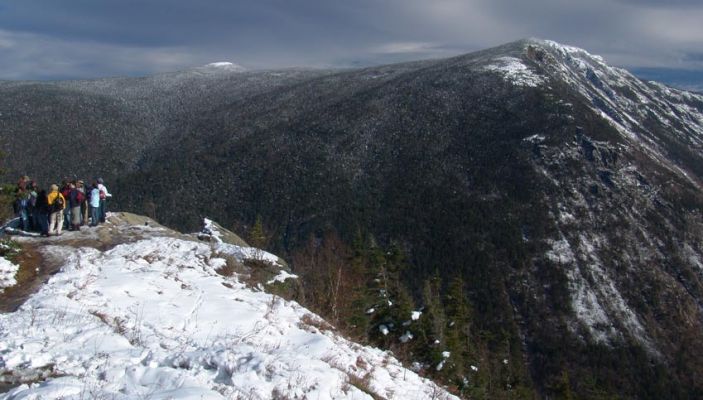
[[360, 301], [399, 302], [432, 326], [383, 304], [458, 331], [257, 235], [379, 308]]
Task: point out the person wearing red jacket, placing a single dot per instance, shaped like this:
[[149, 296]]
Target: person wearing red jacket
[[66, 191], [75, 199]]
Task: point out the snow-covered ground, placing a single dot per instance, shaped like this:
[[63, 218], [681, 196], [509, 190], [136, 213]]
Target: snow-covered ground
[[152, 319], [7, 273]]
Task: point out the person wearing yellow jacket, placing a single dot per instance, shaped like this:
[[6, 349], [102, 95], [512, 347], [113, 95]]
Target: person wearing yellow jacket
[[56, 204]]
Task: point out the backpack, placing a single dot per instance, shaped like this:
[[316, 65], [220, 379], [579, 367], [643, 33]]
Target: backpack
[[58, 204]]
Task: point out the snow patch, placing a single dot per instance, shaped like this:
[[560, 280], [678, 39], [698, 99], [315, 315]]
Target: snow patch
[[536, 138], [8, 270], [211, 229], [515, 71], [247, 253], [561, 252], [692, 256], [407, 336], [281, 277], [440, 365]]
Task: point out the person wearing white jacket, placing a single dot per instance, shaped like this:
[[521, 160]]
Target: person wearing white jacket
[[94, 204], [104, 194]]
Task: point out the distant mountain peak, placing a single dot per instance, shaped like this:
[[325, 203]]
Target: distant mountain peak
[[224, 66]]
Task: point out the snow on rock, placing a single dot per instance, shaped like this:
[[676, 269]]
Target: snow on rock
[[227, 244], [536, 138], [440, 365], [515, 71], [153, 319], [281, 277], [240, 253], [561, 252], [415, 315], [210, 229], [7, 273], [407, 336], [247, 253]]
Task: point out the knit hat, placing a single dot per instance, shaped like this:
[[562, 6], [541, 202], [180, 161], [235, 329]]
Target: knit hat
[[54, 187]]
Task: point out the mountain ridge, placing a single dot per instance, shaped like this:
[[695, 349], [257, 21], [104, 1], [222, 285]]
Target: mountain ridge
[[566, 192]]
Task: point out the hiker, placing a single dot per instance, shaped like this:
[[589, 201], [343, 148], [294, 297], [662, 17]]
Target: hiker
[[94, 205], [104, 194], [75, 198], [66, 191], [41, 213], [84, 204], [31, 207], [57, 204], [21, 203]]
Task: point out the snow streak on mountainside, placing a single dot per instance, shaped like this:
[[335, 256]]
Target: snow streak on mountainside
[[152, 318]]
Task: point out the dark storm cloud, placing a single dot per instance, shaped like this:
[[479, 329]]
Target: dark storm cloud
[[171, 23], [85, 38]]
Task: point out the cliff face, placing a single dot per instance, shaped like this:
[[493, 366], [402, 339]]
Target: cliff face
[[566, 192]]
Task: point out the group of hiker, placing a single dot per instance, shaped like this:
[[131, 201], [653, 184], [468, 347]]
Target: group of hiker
[[67, 207]]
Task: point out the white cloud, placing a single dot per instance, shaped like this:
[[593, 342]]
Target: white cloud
[[5, 42], [404, 47]]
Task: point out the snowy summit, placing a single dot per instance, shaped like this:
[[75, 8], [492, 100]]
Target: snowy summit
[[225, 66]]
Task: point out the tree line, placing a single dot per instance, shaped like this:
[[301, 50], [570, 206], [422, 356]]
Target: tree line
[[362, 289]]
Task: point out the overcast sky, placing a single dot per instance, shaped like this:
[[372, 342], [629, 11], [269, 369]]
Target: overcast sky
[[49, 39]]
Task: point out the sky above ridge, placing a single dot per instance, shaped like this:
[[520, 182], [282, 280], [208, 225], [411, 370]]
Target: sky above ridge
[[49, 39]]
